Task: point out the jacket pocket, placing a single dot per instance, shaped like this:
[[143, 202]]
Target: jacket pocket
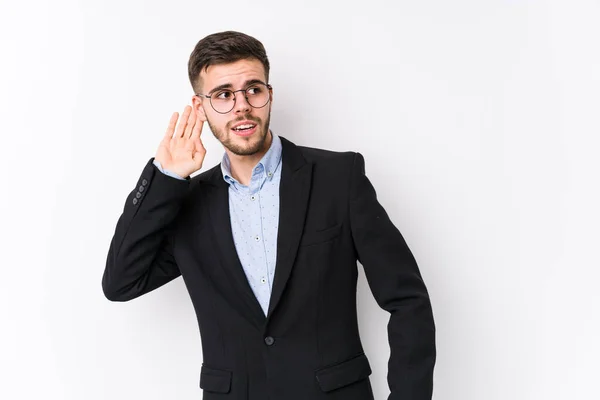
[[215, 380], [321, 236], [343, 374]]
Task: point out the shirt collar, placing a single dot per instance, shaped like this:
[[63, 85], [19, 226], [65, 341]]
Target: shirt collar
[[266, 166]]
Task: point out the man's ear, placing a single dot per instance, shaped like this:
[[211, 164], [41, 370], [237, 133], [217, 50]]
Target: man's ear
[[198, 106]]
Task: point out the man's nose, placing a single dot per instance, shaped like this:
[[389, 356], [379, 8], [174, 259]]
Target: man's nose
[[241, 104]]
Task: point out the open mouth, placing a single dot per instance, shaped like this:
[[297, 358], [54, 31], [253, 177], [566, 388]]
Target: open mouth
[[244, 129]]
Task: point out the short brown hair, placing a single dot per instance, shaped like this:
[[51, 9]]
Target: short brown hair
[[223, 48]]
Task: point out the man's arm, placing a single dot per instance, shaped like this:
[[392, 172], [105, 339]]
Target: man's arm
[[397, 285], [140, 256]]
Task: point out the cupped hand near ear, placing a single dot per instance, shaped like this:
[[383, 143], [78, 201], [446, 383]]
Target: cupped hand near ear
[[181, 151]]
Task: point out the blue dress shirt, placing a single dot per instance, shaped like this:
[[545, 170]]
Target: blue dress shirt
[[254, 215]]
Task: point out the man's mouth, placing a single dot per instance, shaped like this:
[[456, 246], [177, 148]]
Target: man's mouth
[[244, 127]]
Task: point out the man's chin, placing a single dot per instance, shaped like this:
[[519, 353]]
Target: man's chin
[[248, 148], [243, 152]]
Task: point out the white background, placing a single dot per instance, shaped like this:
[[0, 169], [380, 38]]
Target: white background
[[478, 121]]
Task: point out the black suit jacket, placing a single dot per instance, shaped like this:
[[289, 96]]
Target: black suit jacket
[[308, 346]]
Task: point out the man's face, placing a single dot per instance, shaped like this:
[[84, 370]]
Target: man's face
[[235, 76]]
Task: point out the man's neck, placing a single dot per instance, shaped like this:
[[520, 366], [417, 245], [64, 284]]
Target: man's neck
[[242, 166]]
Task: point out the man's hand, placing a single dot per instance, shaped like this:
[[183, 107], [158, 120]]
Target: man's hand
[[182, 151]]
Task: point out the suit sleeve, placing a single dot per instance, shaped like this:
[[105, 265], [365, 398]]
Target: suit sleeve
[[140, 257], [397, 286]]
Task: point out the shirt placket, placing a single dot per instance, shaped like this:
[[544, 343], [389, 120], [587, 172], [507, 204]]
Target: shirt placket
[[261, 268]]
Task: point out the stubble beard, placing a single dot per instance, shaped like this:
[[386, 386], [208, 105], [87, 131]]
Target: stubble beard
[[255, 143]]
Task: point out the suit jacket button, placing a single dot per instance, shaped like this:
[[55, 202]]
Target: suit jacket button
[[269, 341], [144, 182], [135, 201]]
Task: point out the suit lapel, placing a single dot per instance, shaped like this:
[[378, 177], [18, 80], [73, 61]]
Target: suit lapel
[[221, 225], [294, 190]]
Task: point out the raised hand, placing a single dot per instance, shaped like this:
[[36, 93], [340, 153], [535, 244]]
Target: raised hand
[[182, 151]]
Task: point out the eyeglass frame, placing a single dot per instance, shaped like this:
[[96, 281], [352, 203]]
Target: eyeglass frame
[[209, 96]]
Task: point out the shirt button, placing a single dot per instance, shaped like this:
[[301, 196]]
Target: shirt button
[[269, 340], [263, 280], [252, 198], [257, 238], [269, 173]]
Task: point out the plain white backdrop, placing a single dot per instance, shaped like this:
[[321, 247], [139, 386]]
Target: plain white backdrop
[[479, 124]]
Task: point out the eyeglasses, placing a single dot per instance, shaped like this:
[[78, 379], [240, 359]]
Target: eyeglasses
[[223, 100]]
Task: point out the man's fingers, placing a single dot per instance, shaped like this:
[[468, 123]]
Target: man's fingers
[[171, 127], [183, 121], [200, 146], [200, 150], [197, 128], [190, 124]]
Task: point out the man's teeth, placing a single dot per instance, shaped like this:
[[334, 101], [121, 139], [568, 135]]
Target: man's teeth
[[247, 126]]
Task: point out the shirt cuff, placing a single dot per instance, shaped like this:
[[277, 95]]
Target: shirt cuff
[[166, 171]]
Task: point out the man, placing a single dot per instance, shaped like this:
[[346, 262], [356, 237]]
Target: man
[[267, 244]]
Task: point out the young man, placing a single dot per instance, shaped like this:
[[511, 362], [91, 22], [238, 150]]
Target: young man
[[267, 244]]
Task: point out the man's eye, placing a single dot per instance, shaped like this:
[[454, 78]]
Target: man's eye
[[223, 95], [254, 90]]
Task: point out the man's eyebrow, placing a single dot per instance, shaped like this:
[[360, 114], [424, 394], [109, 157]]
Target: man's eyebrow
[[230, 86]]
